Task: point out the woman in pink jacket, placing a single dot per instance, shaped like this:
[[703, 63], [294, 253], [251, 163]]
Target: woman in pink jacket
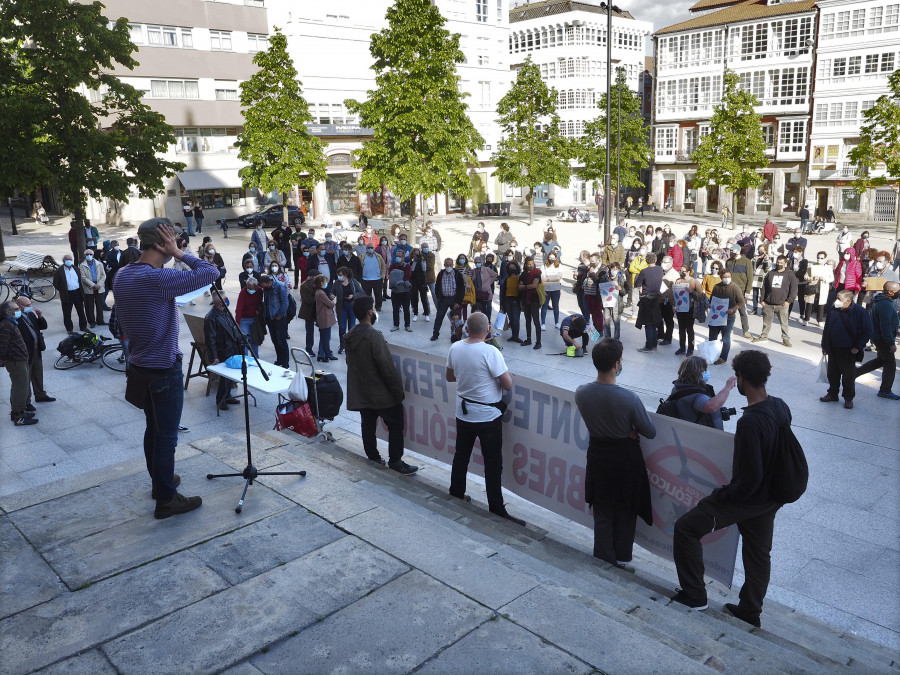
[[325, 319], [848, 273]]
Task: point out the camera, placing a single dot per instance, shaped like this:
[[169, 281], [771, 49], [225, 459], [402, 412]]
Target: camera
[[727, 413]]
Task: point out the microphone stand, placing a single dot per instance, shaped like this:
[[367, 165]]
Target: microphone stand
[[250, 473]]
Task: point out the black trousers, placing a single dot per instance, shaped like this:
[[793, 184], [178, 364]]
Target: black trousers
[[614, 528], [75, 299], [420, 292], [650, 333], [531, 314], [393, 419], [373, 288], [93, 307], [668, 318], [444, 305], [400, 301], [842, 369], [685, 328], [755, 522], [491, 436], [886, 360]]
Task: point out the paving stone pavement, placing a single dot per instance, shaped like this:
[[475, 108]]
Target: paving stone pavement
[[89, 582]]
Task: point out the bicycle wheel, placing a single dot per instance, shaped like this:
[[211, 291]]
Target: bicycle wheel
[[114, 358], [66, 362], [42, 290], [4, 292]]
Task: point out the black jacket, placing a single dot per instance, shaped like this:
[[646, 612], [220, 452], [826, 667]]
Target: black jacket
[[353, 264], [221, 339], [845, 329], [33, 338], [460, 287]]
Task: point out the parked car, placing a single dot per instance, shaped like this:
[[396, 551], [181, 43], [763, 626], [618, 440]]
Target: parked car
[[271, 215]]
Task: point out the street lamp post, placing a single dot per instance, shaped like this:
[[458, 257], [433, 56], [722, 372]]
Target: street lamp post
[[607, 211], [618, 136]]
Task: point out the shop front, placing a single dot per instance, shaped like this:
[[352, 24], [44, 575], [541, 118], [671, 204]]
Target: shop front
[[689, 202], [764, 194], [792, 185], [712, 198]]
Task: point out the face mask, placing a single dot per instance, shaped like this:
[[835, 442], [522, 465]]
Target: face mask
[[865, 236], [399, 258], [448, 267], [477, 265], [370, 250], [211, 251], [820, 260], [305, 254], [715, 271], [403, 242], [613, 241], [271, 248], [777, 240], [251, 291], [340, 277], [683, 274], [424, 249], [705, 376], [846, 256], [116, 248], [528, 268], [726, 280], [327, 238], [89, 258], [273, 270], [252, 249], [29, 310], [259, 227], [846, 230], [879, 265], [69, 263], [17, 314], [248, 269], [513, 247], [384, 242], [838, 304], [643, 251], [461, 261]]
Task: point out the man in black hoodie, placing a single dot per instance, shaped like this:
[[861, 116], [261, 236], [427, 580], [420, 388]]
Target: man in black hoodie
[[745, 501]]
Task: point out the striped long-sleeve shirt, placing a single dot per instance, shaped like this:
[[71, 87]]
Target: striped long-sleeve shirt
[[146, 310]]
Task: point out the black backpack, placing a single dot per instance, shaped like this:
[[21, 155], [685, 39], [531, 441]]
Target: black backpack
[[292, 308], [789, 470], [669, 407]]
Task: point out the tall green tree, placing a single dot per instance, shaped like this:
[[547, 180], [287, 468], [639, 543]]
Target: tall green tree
[[533, 149], [879, 146], [275, 141], [424, 142], [58, 56], [735, 147], [629, 151]]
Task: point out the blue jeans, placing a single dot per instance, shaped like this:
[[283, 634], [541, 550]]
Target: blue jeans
[[325, 343], [725, 331], [552, 296], [247, 329], [346, 320], [190, 225], [163, 413]]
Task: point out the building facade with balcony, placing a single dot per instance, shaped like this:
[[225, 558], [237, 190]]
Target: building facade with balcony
[[567, 41], [858, 47], [329, 43], [192, 56], [769, 44]]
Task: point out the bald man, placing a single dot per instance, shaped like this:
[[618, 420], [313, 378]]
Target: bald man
[[885, 324]]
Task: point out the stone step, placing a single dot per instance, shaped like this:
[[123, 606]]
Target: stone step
[[791, 642]]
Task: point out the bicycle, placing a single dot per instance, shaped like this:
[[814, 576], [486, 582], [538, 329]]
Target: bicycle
[[87, 348], [39, 290]]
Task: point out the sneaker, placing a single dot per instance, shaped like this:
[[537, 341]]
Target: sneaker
[[181, 427], [377, 461], [828, 398], [24, 421], [176, 479], [408, 329], [733, 610], [557, 324], [645, 350], [395, 329], [505, 514], [682, 598], [44, 399], [803, 322], [747, 334], [889, 395], [223, 406], [435, 338], [427, 319], [759, 339], [415, 317], [543, 326], [848, 403], [403, 468], [464, 498], [690, 351], [525, 343], [679, 351], [787, 343], [180, 504], [719, 362], [665, 343], [513, 339]]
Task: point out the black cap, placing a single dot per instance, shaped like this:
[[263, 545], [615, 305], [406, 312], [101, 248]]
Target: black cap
[[148, 234]]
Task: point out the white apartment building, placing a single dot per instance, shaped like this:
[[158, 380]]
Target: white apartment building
[[858, 47], [192, 56], [329, 43], [770, 45], [566, 39]]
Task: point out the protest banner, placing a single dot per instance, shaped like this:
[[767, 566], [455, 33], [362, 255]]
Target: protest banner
[[609, 294], [682, 298], [545, 443], [718, 311]]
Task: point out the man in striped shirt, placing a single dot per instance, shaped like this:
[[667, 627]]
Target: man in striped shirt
[[145, 293]]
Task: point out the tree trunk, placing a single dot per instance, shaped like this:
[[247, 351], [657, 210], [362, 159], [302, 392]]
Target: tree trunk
[[79, 233], [284, 206], [733, 210], [412, 212], [530, 206]]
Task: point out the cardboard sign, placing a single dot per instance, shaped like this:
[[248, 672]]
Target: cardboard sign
[[609, 294], [682, 298], [718, 311], [875, 283], [545, 442]]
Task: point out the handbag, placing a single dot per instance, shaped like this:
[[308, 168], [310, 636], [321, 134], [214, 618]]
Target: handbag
[[295, 416], [298, 391], [501, 321], [541, 293], [823, 370], [469, 297]]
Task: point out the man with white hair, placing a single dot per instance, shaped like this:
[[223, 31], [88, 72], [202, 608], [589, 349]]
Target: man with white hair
[[67, 281], [481, 377]]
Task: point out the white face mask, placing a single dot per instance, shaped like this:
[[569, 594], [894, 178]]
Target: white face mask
[[116, 248], [726, 280], [838, 304], [211, 251], [273, 270], [879, 265], [846, 256]]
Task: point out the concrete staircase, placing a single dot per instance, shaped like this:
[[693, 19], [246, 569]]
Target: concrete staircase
[[613, 620]]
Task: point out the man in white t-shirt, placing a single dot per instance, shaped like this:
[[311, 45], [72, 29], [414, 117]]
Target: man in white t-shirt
[[481, 377]]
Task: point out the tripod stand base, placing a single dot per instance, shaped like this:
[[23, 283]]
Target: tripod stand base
[[250, 474]]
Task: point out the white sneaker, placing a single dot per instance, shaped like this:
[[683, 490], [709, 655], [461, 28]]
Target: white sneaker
[[427, 319], [415, 317], [557, 324], [543, 326]]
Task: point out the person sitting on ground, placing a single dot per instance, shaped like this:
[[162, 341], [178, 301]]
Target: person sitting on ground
[[695, 399]]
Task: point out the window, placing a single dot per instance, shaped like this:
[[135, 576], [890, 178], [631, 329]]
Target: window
[[499, 11], [887, 62], [849, 201], [485, 90], [174, 89], [220, 40], [854, 65], [839, 69], [257, 43], [871, 63], [842, 28], [162, 36], [858, 22], [769, 135], [187, 38], [690, 140], [227, 94], [136, 32], [666, 142], [481, 10], [792, 136], [828, 26], [822, 113]]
